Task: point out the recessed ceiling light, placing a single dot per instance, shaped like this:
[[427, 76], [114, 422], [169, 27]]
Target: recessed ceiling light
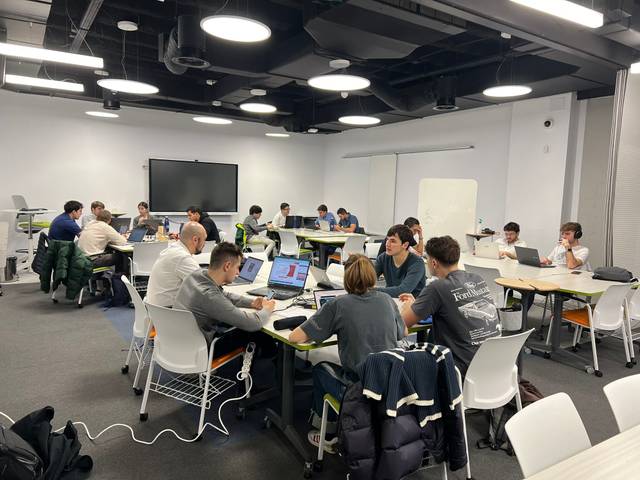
[[127, 86], [566, 10], [635, 68], [359, 120], [127, 26], [31, 53], [101, 73], [505, 91], [258, 107], [212, 120], [278, 135], [312, 130], [235, 29], [339, 82], [102, 114], [43, 83]]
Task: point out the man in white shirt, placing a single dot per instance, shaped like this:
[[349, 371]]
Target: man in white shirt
[[281, 217], [174, 265], [96, 207], [95, 238], [569, 252], [511, 240]]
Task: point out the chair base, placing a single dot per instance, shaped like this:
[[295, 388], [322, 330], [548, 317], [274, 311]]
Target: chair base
[[189, 389]]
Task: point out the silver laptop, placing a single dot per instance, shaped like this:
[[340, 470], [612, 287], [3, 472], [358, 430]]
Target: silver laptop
[[325, 226], [323, 296], [487, 250], [530, 256], [322, 279], [249, 271]]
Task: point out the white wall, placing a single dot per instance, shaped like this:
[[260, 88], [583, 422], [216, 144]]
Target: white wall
[[52, 152]]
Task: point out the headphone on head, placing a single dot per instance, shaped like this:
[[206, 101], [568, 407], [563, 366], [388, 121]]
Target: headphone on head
[[578, 232]]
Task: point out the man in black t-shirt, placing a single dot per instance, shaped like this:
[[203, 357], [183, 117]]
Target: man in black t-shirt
[[416, 247], [459, 302]]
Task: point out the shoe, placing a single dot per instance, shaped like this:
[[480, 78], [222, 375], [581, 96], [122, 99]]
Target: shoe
[[329, 445]]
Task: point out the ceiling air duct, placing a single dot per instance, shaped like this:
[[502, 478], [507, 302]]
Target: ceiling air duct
[[186, 46]]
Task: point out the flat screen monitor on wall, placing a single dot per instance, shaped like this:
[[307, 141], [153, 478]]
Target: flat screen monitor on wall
[[175, 185]]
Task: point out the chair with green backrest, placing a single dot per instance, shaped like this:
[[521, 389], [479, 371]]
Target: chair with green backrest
[[241, 237]]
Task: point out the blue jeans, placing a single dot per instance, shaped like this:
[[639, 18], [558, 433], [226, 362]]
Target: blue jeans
[[328, 378]]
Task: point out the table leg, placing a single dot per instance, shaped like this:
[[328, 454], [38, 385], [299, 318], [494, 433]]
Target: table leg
[[30, 246], [322, 256]]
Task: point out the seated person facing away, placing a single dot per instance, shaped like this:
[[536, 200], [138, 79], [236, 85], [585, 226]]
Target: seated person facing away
[[403, 272], [416, 244], [365, 321], [143, 217], [253, 230], [280, 219], [64, 226], [95, 238], [174, 265], [459, 302], [325, 214], [348, 223], [196, 214], [96, 208], [569, 251], [511, 240], [201, 293]]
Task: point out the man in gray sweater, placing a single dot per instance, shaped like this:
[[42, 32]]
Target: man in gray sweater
[[253, 230], [201, 293]]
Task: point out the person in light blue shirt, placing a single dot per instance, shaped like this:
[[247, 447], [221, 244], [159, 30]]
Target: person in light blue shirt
[[64, 226], [348, 223], [325, 214]]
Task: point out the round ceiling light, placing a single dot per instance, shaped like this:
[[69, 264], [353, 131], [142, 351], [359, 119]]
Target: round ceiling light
[[505, 91], [278, 135], [359, 120], [212, 120], [339, 82], [258, 107], [127, 86], [100, 114], [127, 26], [312, 130], [235, 29]]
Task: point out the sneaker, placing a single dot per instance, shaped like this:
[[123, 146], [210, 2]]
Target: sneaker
[[329, 445]]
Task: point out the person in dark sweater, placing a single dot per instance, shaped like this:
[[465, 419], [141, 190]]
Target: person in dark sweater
[[403, 272], [64, 226], [196, 214]]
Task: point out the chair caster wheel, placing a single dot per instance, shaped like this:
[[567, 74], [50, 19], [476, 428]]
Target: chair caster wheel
[[574, 349], [144, 417], [634, 361], [308, 470], [80, 305], [125, 369], [266, 423], [54, 300], [317, 466], [527, 350], [241, 414], [629, 365], [546, 355], [598, 373], [138, 391]]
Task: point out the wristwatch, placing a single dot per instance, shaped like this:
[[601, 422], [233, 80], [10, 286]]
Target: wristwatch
[[569, 249]]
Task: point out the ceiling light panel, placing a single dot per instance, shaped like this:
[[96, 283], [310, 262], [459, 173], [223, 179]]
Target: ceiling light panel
[[212, 120], [360, 120], [339, 82], [258, 107], [566, 10], [505, 91], [235, 29], [43, 83], [127, 86], [43, 54], [102, 114]]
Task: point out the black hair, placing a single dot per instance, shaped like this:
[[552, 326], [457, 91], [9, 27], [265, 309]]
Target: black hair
[[322, 208], [194, 209], [511, 227], [72, 206], [255, 209], [284, 205], [341, 211], [411, 221], [444, 249], [403, 232], [224, 252]]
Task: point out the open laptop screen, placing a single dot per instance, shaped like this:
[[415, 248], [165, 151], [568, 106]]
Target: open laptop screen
[[137, 234], [289, 272], [323, 296], [250, 269]]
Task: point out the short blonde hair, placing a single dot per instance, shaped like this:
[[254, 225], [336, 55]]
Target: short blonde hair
[[359, 274]]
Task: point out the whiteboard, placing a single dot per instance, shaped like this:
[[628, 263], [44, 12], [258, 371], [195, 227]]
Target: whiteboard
[[382, 193], [447, 206]]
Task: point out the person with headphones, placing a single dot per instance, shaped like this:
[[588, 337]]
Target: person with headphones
[[569, 251]]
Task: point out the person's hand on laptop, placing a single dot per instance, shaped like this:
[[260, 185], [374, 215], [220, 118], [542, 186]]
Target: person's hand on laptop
[[545, 261]]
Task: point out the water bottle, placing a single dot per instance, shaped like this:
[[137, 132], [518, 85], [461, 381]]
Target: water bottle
[[166, 226], [479, 227]]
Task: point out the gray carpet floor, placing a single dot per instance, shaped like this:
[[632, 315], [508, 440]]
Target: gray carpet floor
[[70, 358]]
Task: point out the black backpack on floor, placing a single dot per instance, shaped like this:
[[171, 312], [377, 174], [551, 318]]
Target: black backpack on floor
[[18, 459]]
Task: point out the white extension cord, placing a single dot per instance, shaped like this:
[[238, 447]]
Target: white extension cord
[[243, 374]]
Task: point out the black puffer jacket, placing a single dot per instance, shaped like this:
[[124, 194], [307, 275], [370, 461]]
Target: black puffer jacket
[[384, 443], [69, 266]]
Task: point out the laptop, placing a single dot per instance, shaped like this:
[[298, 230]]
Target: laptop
[[137, 235], [323, 296], [286, 279], [487, 250], [152, 225], [530, 256], [309, 222], [325, 226], [121, 224], [249, 271], [293, 221], [322, 279]]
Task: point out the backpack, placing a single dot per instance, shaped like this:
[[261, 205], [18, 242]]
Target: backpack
[[18, 459], [613, 274], [119, 293]]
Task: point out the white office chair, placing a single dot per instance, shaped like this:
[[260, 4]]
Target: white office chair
[[489, 275], [623, 396], [634, 309], [144, 256], [289, 245], [223, 236], [180, 348], [142, 334], [354, 244], [208, 246], [547, 432], [335, 272], [492, 379], [371, 250], [609, 315]]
